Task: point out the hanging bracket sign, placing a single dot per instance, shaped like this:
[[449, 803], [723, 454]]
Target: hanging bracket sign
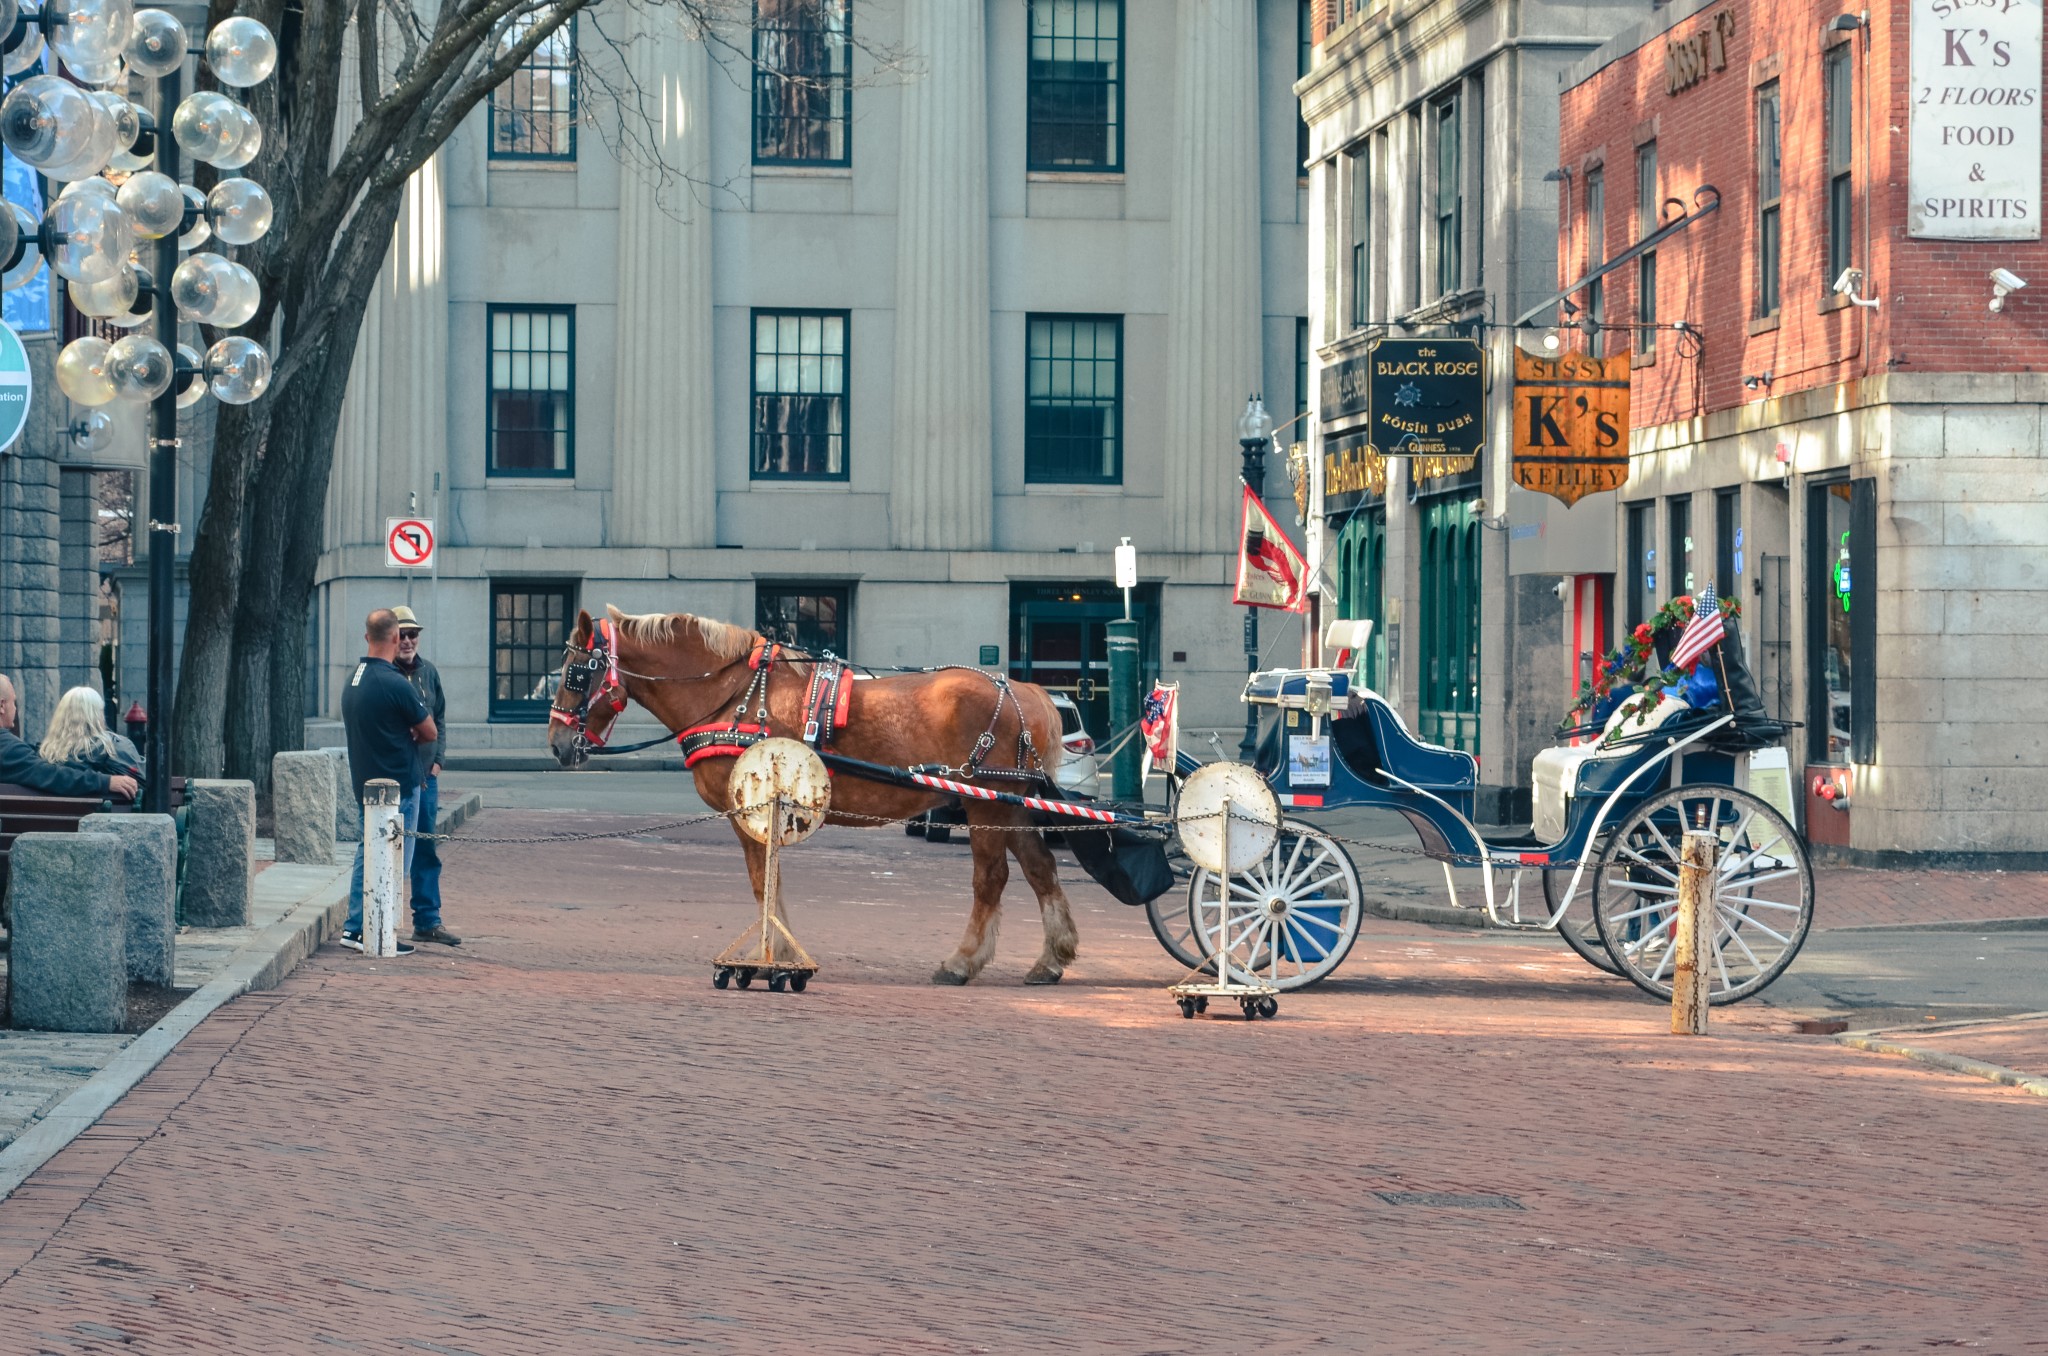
[[1571, 424], [1427, 397]]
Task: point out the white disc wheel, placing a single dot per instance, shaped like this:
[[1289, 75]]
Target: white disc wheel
[[1762, 910], [1577, 927], [1288, 920]]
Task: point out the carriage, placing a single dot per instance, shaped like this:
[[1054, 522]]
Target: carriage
[[1599, 866]]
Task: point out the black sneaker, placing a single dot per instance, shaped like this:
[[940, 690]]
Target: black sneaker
[[436, 933], [354, 942]]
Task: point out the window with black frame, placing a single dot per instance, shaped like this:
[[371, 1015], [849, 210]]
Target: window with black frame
[[1596, 255], [799, 395], [533, 113], [1841, 134], [1305, 25], [1646, 264], [1450, 198], [1769, 185], [1074, 103], [811, 616], [803, 82], [1359, 165], [529, 628], [1073, 400], [532, 418], [1640, 603]]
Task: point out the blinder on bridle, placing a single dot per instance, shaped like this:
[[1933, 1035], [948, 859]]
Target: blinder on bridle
[[579, 677]]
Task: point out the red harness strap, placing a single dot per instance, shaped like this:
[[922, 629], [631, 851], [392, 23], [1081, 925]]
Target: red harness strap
[[826, 703], [718, 741]]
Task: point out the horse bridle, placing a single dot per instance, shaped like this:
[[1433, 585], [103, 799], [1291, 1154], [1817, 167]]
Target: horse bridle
[[580, 670]]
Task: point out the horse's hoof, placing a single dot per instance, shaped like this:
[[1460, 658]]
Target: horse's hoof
[[944, 976], [1041, 975]]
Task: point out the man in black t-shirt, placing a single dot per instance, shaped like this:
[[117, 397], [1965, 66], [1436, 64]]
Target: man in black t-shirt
[[385, 720]]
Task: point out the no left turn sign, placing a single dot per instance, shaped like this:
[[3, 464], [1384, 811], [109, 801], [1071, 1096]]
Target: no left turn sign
[[408, 543]]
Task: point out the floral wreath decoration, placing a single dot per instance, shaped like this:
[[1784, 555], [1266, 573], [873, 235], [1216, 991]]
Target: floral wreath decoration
[[1630, 666]]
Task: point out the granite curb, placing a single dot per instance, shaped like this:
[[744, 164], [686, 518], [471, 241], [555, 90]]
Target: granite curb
[[1876, 1042], [260, 965]]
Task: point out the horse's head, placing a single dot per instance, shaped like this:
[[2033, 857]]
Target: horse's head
[[590, 695]]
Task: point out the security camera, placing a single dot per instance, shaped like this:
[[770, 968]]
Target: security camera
[[1847, 284], [2003, 281], [1563, 590]]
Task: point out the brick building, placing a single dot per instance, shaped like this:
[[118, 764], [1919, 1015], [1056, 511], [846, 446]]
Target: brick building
[[1847, 431]]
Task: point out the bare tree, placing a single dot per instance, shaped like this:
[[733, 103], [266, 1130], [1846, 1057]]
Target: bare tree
[[420, 68]]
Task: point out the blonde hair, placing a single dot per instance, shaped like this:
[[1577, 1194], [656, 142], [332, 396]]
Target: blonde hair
[[78, 727]]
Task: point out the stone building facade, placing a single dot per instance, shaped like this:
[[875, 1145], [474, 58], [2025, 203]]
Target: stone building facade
[[1851, 439], [1432, 127], [891, 367]]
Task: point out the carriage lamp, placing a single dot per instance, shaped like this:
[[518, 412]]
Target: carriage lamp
[[1254, 427], [125, 231]]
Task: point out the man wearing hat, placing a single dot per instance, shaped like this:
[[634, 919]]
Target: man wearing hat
[[426, 858]]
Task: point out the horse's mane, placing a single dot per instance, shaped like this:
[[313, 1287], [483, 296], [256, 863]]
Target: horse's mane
[[723, 639]]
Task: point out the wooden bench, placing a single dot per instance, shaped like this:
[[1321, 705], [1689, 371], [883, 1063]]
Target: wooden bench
[[25, 811]]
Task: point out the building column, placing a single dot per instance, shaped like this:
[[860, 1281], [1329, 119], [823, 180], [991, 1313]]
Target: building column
[[1214, 349], [664, 480], [941, 474], [352, 515], [412, 351]]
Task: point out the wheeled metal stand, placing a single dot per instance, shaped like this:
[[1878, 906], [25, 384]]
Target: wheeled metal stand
[[1231, 854], [784, 787]]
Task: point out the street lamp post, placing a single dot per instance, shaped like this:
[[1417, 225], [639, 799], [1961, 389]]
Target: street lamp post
[[124, 203], [1254, 427]]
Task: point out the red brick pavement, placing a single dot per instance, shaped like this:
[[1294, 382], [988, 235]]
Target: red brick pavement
[[2019, 1044], [1846, 896], [561, 1138]]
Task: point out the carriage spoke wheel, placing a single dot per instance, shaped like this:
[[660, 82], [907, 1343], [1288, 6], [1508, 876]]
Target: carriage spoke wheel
[[1168, 914], [1288, 921], [1577, 927], [1764, 905]]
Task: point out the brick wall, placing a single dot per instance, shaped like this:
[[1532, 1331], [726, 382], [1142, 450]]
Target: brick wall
[[1933, 317]]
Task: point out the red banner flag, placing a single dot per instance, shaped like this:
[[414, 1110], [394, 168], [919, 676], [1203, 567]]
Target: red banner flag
[[1270, 571]]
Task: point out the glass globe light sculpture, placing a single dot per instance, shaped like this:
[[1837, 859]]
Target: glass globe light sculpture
[[240, 295], [10, 10], [27, 55], [98, 187], [206, 127], [240, 211], [154, 202], [247, 144], [200, 232], [25, 268], [98, 237], [203, 287], [145, 304], [156, 42], [46, 120], [139, 367], [237, 370], [241, 51], [94, 432], [125, 117], [10, 235], [110, 296], [100, 75], [82, 371], [91, 30], [191, 376]]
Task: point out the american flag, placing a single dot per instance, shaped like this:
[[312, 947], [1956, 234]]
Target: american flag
[[1702, 633]]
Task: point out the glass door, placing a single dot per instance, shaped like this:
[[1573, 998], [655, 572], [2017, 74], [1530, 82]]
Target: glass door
[[1450, 624]]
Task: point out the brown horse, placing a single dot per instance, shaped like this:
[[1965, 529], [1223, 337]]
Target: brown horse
[[693, 672]]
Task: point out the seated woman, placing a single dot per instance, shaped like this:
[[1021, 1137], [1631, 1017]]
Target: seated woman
[[78, 737]]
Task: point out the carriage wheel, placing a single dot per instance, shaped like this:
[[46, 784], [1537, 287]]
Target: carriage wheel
[[1577, 927], [1765, 904], [1290, 920]]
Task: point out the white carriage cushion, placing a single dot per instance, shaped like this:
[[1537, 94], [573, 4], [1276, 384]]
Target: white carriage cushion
[[1554, 773]]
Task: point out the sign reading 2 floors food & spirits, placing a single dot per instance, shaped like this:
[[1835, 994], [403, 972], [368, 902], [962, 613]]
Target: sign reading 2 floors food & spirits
[[1973, 165]]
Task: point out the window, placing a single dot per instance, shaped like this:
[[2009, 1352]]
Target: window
[[813, 617], [1769, 236], [1301, 375], [1841, 135], [529, 628], [1305, 36], [1678, 546], [803, 82], [1596, 254], [1073, 400], [533, 391], [1841, 619], [1360, 163], [1728, 542], [1642, 569], [1411, 248], [1646, 264], [1076, 85], [1450, 200], [533, 114], [800, 395]]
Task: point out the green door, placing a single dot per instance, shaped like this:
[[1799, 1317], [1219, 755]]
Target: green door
[[1450, 624], [1361, 583]]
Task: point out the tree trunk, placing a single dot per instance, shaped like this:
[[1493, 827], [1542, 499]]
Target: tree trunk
[[214, 579]]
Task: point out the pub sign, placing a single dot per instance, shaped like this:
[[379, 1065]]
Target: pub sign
[[1571, 424], [1426, 397]]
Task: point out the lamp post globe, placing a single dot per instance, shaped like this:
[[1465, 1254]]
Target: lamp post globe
[[1254, 428]]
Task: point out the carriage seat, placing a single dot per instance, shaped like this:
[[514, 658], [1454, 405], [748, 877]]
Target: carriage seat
[[1372, 738], [1557, 775]]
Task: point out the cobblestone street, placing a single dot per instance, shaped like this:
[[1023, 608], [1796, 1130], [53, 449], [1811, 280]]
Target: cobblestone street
[[561, 1138]]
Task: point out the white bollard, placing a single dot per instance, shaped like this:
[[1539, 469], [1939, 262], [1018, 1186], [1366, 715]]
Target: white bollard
[[383, 866]]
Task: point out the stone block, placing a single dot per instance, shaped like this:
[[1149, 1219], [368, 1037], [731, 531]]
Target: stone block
[[302, 807], [220, 853], [68, 965], [1987, 524], [348, 815], [1992, 431], [149, 861]]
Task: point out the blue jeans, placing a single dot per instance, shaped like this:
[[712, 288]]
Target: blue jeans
[[409, 807], [425, 866]]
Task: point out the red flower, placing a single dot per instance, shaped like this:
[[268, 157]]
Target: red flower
[[1643, 633], [1682, 600]]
